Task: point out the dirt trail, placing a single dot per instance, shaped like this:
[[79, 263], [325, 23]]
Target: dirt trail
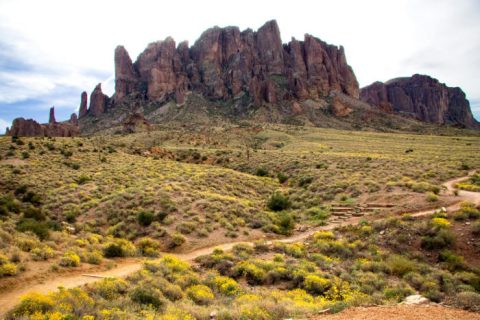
[[9, 299]]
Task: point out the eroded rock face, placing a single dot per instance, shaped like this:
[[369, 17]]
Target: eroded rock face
[[126, 77], [30, 128], [51, 118], [424, 98], [82, 110], [98, 101], [226, 62]]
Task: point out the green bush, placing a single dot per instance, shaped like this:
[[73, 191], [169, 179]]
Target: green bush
[[282, 178], [261, 172], [38, 228], [177, 240], [278, 202], [32, 197], [148, 247], [82, 179], [147, 295], [317, 213], [443, 239], [145, 218], [119, 248], [399, 265], [451, 260]]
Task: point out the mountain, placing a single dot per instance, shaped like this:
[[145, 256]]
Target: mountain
[[423, 98], [233, 75]]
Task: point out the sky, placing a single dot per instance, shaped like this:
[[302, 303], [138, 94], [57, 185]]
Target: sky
[[52, 50]]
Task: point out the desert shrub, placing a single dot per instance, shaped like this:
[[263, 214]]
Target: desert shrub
[[440, 223], [32, 303], [110, 288], [317, 213], [227, 286], [316, 284], [9, 204], [70, 259], [36, 227], [25, 155], [172, 292], [304, 181], [431, 197], [261, 172], [119, 248], [398, 292], [177, 240], [186, 227], [200, 294], [282, 178], [284, 222], [399, 265], [32, 197], [476, 228], [8, 269], [252, 273], [82, 179], [442, 239], [148, 247], [32, 212], [42, 253], [278, 202], [145, 218], [468, 300], [93, 257], [147, 295], [451, 260]]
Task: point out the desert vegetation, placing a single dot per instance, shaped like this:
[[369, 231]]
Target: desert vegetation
[[70, 204]]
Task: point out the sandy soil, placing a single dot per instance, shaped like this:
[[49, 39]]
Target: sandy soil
[[401, 312]]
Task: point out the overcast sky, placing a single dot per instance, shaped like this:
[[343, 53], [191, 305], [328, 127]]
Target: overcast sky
[[52, 50]]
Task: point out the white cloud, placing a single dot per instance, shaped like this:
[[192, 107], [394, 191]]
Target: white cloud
[[3, 126]]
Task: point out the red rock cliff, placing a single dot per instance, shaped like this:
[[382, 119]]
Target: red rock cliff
[[422, 97]]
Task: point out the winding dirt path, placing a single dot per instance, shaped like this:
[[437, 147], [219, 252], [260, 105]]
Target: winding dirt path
[[9, 299]]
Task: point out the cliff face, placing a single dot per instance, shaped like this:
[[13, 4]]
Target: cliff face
[[422, 97], [226, 62]]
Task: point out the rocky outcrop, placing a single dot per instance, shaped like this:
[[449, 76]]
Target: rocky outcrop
[[424, 98], [82, 110], [225, 63], [51, 118], [30, 128], [98, 101], [126, 78], [74, 119]]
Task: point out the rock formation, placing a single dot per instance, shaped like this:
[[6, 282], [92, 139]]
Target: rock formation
[[30, 128], [51, 118], [422, 97], [82, 110], [226, 62], [126, 78], [98, 101]]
